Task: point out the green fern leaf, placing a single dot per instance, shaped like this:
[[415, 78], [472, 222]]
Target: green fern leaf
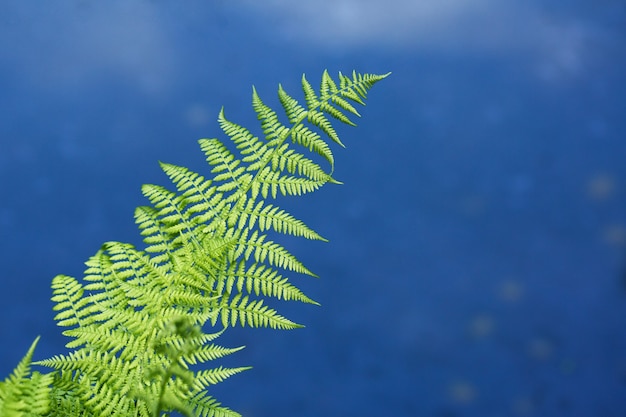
[[209, 260], [206, 406], [25, 393], [68, 296], [214, 376]]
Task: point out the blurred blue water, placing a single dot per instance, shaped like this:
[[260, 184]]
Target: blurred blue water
[[476, 263]]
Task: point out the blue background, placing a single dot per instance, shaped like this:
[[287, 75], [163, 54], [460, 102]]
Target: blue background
[[477, 258]]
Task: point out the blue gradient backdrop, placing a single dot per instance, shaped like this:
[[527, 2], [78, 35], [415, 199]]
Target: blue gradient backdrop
[[477, 258]]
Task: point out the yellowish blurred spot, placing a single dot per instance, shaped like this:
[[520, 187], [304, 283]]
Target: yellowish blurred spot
[[198, 115], [481, 326], [462, 392], [540, 349], [510, 291], [615, 235], [523, 406], [600, 187]]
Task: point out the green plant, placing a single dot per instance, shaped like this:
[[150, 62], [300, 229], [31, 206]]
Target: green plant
[[136, 323]]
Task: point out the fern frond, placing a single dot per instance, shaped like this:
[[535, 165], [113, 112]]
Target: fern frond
[[294, 111], [68, 296], [206, 406], [169, 208], [275, 132], [259, 279], [209, 353], [158, 241], [270, 217], [101, 380], [254, 246], [226, 167], [304, 136], [252, 313], [214, 376], [25, 394], [318, 119], [135, 323], [199, 195]]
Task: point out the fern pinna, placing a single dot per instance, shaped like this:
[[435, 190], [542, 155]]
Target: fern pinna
[[137, 322]]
